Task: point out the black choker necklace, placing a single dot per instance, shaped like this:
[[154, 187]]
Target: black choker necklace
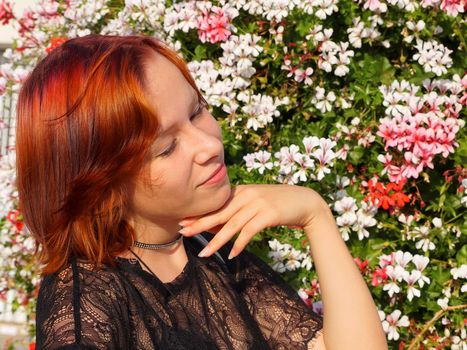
[[155, 245]]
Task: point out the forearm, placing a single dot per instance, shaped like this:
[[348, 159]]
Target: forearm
[[351, 319]]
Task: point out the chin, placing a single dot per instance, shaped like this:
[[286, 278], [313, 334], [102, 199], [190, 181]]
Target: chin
[[219, 197]]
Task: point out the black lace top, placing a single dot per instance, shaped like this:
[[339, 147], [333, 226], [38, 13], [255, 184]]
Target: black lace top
[[242, 304]]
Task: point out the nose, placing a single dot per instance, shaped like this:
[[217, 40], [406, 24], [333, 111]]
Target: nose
[[206, 145]]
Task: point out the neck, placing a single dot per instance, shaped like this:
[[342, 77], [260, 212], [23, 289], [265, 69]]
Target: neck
[[151, 233], [155, 246]]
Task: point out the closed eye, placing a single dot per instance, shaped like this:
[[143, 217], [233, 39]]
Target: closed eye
[[200, 109], [198, 113]]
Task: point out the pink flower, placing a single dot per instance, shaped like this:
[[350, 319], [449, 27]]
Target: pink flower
[[27, 22], [213, 26], [419, 136], [373, 5], [6, 13], [452, 7]]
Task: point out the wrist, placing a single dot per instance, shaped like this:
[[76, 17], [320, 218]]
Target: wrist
[[319, 211]]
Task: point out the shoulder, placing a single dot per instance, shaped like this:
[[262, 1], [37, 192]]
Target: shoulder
[[73, 301], [83, 277]]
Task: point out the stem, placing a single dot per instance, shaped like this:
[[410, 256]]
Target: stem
[[457, 31], [414, 343], [394, 227], [455, 217]]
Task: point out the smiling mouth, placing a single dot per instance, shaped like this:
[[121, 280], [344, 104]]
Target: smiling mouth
[[214, 174]]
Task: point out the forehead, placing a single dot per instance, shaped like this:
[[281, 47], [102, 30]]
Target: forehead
[[169, 92]]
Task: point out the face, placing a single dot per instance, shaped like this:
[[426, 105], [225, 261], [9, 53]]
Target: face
[[186, 152]]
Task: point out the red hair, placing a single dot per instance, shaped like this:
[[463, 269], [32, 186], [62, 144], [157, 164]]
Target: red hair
[[84, 131]]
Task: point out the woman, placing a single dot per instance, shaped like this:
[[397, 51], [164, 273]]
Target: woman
[[115, 146]]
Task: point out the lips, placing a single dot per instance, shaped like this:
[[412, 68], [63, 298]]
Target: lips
[[214, 173]]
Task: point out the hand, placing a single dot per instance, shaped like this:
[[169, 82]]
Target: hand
[[250, 209]]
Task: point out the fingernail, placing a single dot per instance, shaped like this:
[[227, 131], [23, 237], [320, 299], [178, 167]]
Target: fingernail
[[184, 230], [185, 222], [231, 255], [205, 251]]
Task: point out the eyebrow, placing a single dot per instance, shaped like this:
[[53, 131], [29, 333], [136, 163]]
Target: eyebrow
[[194, 104]]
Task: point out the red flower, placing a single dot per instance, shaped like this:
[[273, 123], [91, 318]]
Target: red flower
[[362, 265], [32, 346], [54, 43], [378, 276], [12, 217], [391, 196]]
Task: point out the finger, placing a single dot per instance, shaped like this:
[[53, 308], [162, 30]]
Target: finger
[[215, 229], [254, 226], [234, 225], [295, 226], [189, 220], [219, 217]]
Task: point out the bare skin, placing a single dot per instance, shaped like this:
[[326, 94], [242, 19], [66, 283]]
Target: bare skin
[[350, 317], [175, 191], [351, 320]]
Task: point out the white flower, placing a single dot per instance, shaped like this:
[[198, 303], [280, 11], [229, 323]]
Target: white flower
[[395, 275], [306, 263], [415, 28], [310, 142], [392, 322], [406, 219], [433, 56], [325, 8], [344, 227], [437, 222], [346, 205], [293, 261], [301, 75], [263, 161], [303, 163], [403, 258], [322, 101], [285, 257], [425, 244], [411, 279], [443, 302], [459, 272], [286, 158], [260, 109]]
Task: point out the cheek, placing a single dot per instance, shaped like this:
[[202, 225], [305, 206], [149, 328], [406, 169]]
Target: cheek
[[210, 125], [177, 194], [215, 128], [175, 176]]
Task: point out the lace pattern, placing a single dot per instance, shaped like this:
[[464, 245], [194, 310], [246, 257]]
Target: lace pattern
[[242, 304]]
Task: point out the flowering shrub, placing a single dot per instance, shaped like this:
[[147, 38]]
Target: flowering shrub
[[361, 100]]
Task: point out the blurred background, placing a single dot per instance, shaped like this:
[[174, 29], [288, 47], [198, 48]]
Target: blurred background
[[12, 325]]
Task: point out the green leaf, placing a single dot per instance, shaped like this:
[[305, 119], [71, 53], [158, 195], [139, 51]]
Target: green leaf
[[200, 53], [441, 275], [303, 28], [433, 306], [460, 155], [461, 256], [356, 154]]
